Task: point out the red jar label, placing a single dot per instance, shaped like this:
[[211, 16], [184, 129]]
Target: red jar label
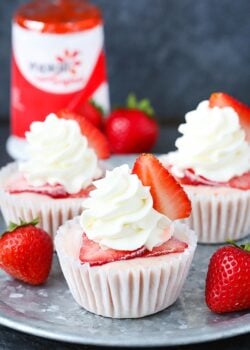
[[55, 71]]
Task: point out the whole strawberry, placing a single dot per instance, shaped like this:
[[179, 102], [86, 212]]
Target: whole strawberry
[[132, 129], [26, 252], [228, 279]]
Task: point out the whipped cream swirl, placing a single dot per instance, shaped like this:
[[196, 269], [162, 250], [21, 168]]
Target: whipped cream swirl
[[59, 154], [213, 144], [119, 213]]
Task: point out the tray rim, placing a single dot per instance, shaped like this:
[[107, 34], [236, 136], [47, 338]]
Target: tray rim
[[191, 338]]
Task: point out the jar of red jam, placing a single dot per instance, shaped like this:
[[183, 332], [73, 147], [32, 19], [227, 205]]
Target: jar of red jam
[[58, 62]]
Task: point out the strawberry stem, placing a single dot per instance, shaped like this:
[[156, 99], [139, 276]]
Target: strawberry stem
[[245, 246], [13, 226], [143, 105]]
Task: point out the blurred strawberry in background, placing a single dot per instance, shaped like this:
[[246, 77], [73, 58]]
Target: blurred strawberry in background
[[133, 128]]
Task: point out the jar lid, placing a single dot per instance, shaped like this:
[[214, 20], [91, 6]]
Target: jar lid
[[58, 16]]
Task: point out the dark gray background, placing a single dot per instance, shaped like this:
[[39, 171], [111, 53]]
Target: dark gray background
[[176, 52]]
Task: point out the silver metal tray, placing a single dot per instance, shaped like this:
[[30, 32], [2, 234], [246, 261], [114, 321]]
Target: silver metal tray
[[51, 312]]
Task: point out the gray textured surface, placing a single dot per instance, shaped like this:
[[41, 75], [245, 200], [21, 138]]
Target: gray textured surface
[[175, 52], [51, 312]]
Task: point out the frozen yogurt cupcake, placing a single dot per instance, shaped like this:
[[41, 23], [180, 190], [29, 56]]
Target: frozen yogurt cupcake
[[124, 257], [51, 184], [212, 162]]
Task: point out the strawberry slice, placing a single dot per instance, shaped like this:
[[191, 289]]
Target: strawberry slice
[[221, 99], [241, 182], [97, 140], [168, 195], [93, 254], [173, 245]]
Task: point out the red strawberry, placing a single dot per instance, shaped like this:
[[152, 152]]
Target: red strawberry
[[221, 99], [26, 252], [168, 195], [93, 254], [228, 279], [132, 129], [97, 140], [92, 112]]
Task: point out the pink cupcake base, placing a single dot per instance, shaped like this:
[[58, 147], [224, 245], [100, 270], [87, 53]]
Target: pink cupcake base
[[218, 214], [51, 212], [124, 289]]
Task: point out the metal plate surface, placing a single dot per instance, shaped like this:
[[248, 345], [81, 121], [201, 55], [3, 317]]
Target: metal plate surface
[[51, 312]]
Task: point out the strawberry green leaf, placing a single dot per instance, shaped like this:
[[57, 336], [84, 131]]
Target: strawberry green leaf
[[143, 105], [132, 101], [245, 246], [13, 226]]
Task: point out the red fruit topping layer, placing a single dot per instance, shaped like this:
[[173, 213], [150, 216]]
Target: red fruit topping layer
[[169, 197], [239, 182], [220, 99], [93, 254], [19, 184]]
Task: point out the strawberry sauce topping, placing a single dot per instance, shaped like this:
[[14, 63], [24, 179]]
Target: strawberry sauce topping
[[190, 178], [19, 184], [93, 254], [241, 182]]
